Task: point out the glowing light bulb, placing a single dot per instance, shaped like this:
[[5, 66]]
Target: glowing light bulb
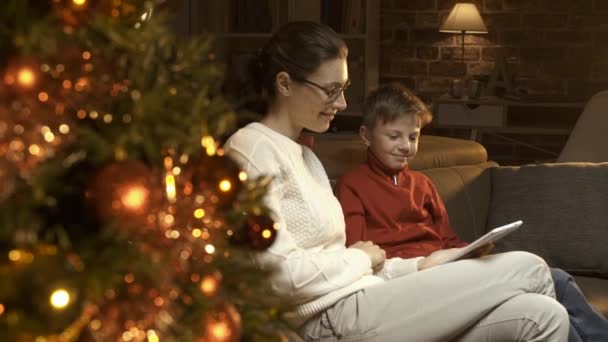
[[209, 285], [225, 185], [170, 187], [60, 298], [199, 213], [135, 197], [219, 330], [26, 77], [266, 234]]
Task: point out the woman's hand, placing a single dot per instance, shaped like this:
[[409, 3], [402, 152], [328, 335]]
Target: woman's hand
[[376, 254]]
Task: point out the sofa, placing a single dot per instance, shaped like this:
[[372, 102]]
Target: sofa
[[564, 206]]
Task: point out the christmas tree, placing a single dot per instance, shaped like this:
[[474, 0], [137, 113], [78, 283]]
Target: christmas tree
[[120, 217]]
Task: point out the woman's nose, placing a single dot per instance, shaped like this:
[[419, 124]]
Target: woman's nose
[[340, 102]]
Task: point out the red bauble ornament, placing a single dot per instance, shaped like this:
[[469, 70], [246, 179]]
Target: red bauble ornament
[[122, 190], [260, 231], [219, 177]]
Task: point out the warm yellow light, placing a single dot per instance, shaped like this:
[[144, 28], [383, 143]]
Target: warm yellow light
[[20, 256], [209, 285], [79, 2], [266, 233], [196, 232], [219, 331], [1, 309], [86, 55], [34, 150], [14, 255], [135, 197], [60, 298], [210, 249], [152, 336], [243, 176], [49, 137], [64, 129], [208, 144], [170, 187], [43, 96], [26, 77], [225, 185], [95, 324], [199, 213]]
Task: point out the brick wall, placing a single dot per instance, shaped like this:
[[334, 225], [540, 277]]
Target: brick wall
[[553, 47]]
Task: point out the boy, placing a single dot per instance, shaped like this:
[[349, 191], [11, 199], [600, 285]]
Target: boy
[[400, 210]]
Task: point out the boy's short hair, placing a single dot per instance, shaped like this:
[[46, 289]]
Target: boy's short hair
[[392, 101]]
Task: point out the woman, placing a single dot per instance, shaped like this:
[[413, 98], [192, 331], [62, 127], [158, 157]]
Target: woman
[[354, 293]]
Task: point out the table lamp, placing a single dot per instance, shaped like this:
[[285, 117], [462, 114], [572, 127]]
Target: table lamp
[[464, 18]]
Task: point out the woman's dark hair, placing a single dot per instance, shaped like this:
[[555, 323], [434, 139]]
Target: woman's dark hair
[[392, 101], [297, 48]]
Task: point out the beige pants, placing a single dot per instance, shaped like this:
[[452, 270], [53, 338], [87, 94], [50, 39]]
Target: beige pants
[[503, 297]]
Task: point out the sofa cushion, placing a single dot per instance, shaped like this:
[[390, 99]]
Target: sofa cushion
[[565, 212], [465, 190], [340, 152]]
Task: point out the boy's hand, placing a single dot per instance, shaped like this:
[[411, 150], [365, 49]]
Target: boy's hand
[[437, 258], [481, 251], [376, 254]]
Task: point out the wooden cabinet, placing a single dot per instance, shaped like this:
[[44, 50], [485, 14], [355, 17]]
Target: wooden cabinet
[[512, 131], [242, 26]]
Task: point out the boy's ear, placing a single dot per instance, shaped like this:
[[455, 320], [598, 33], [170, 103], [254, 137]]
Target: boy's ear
[[364, 134], [283, 83]]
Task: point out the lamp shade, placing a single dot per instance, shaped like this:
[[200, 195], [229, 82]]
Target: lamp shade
[[464, 18]]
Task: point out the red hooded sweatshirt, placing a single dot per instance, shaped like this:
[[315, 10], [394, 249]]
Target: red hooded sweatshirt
[[400, 211]]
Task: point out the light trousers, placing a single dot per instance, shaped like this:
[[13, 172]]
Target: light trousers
[[501, 297]]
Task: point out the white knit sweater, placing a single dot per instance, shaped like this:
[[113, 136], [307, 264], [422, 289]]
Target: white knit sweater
[[312, 267]]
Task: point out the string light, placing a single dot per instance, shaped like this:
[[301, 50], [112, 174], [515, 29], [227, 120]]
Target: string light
[[25, 77], [209, 285], [210, 249], [60, 298], [135, 197], [225, 185], [208, 144], [199, 213], [219, 330], [152, 336], [242, 176]]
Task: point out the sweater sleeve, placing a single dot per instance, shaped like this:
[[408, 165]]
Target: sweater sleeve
[[299, 274], [354, 212], [441, 219], [398, 267]]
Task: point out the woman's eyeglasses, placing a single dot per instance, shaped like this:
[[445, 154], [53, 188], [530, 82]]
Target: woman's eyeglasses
[[332, 93]]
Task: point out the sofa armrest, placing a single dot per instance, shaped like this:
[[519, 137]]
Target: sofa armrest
[[565, 212]]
